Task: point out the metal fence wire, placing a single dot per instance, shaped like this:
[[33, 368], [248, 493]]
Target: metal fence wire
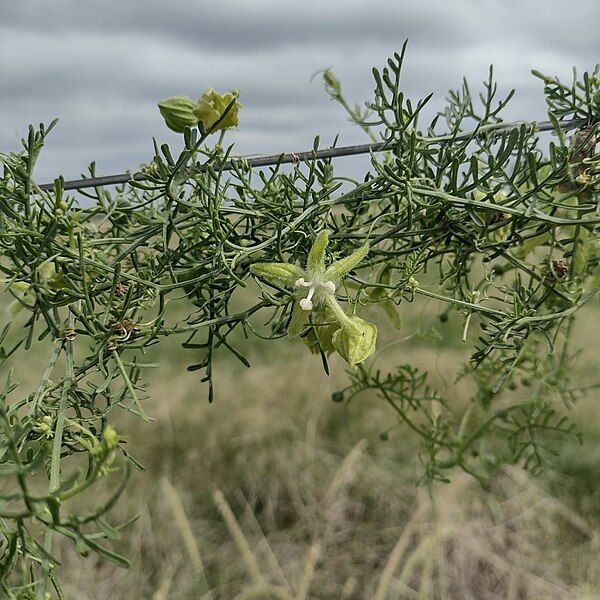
[[296, 157]]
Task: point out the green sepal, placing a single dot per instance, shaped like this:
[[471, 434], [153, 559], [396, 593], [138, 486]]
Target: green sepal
[[19, 287], [378, 297], [378, 293], [321, 335], [15, 308]]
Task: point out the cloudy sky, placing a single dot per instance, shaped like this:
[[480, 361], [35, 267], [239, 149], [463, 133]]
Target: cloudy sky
[[102, 66]]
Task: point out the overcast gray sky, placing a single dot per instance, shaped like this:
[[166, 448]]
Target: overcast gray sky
[[102, 66]]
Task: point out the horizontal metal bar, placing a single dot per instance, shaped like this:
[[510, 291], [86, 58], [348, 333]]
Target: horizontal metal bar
[[292, 157]]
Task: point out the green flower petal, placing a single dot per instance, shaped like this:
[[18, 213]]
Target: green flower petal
[[325, 325], [50, 277], [212, 105], [279, 273], [14, 308], [391, 310], [299, 319], [315, 264], [19, 287], [355, 342], [344, 265]]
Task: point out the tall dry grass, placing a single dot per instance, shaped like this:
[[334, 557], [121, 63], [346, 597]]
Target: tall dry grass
[[276, 492]]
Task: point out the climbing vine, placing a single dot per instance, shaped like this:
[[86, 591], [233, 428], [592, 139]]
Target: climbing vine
[[495, 222]]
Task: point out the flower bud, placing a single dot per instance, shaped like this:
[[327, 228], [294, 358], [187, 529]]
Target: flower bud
[[111, 438], [337, 396], [178, 112], [355, 341], [332, 81]]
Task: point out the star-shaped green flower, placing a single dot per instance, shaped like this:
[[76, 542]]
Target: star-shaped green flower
[[315, 287]]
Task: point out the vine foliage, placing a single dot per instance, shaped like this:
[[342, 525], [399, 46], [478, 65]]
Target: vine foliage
[[495, 222]]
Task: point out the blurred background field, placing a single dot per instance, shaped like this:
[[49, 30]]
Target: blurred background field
[[275, 491]]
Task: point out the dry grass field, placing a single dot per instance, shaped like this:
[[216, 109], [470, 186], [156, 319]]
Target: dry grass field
[[275, 491]]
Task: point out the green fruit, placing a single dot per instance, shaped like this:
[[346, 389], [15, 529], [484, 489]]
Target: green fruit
[[178, 112], [355, 341]]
